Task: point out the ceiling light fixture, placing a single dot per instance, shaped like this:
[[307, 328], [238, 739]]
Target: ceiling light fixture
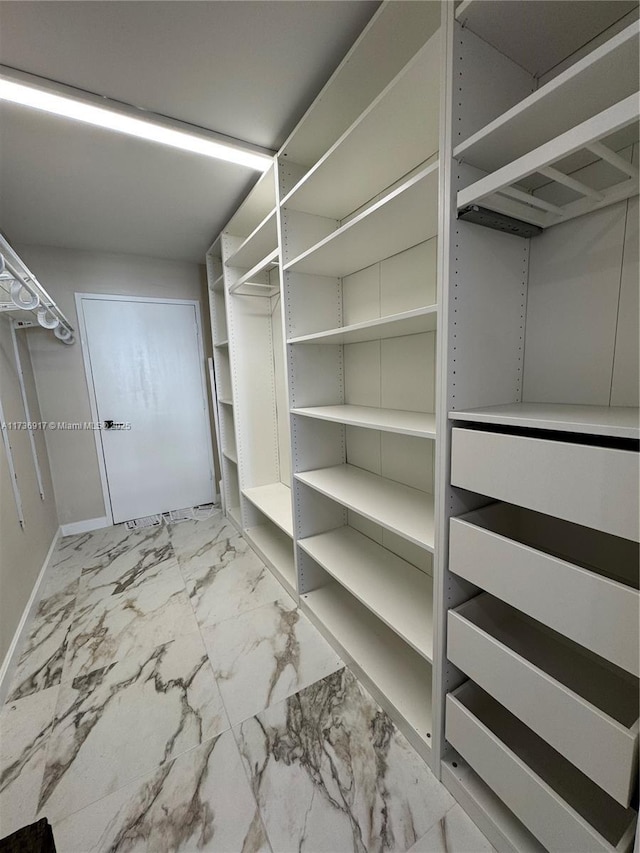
[[30, 91]]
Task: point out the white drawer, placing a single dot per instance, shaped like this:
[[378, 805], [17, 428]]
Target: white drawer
[[592, 486], [587, 711], [579, 582], [566, 811]]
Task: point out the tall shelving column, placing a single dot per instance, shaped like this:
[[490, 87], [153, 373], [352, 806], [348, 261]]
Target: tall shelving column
[[223, 402], [538, 645], [261, 450], [358, 203]]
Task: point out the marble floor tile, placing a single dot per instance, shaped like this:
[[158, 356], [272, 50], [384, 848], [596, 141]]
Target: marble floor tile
[[24, 729], [201, 801], [231, 580], [40, 664], [331, 773], [265, 655], [127, 719], [192, 540], [126, 559], [106, 628], [453, 833]]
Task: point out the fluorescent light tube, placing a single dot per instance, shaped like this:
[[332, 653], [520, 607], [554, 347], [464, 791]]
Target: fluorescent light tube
[[153, 131]]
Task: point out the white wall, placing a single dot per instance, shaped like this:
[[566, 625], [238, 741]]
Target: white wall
[[59, 370], [22, 551]]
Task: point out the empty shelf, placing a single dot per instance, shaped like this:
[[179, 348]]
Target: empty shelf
[[612, 421], [374, 234], [231, 455], [225, 402], [521, 30], [395, 591], [218, 285], [393, 326], [371, 154], [390, 667], [256, 206], [386, 420], [257, 245], [604, 77], [222, 344], [500, 190], [276, 550], [257, 277], [274, 501], [399, 508]]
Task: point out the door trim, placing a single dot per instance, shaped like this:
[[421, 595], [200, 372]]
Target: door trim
[[93, 405]]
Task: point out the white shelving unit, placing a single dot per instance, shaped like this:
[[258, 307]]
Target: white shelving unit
[[359, 230], [252, 391], [537, 666], [429, 428]]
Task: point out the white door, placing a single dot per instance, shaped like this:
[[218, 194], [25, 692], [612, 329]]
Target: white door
[[146, 367]]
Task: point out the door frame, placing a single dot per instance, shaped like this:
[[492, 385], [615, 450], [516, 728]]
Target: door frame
[[93, 404]]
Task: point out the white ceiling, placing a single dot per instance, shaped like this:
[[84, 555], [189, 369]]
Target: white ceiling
[[247, 68]]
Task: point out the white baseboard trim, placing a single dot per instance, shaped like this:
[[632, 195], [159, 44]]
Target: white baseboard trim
[[11, 658], [85, 526]]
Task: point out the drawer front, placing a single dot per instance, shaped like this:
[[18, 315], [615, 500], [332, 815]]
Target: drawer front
[[554, 823], [595, 743], [598, 613], [593, 486]]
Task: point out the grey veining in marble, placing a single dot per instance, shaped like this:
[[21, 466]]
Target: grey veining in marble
[[106, 627], [126, 719], [24, 729], [192, 540], [453, 833], [262, 656], [40, 664], [124, 560], [200, 801], [224, 577], [331, 773]]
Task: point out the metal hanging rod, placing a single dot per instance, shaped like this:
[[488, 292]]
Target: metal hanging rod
[[28, 295]]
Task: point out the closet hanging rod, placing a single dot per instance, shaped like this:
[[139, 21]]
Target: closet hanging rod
[[42, 309]]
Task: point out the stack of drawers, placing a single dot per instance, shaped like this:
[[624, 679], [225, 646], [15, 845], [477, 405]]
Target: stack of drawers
[[550, 644]]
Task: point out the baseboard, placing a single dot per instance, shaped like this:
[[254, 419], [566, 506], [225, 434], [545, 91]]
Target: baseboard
[[85, 526], [11, 658]]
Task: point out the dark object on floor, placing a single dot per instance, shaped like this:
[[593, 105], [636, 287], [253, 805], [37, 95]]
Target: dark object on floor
[[36, 838]]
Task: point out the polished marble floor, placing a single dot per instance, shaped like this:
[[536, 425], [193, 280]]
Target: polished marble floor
[[170, 696]]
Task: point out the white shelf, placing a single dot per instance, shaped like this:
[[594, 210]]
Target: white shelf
[[599, 80], [225, 402], [257, 205], [395, 591], [386, 420], [260, 243], [231, 456], [522, 30], [260, 273], [374, 234], [276, 550], [611, 421], [393, 669], [370, 65], [399, 508], [274, 501], [218, 284], [371, 154], [222, 344], [393, 326], [500, 191]]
